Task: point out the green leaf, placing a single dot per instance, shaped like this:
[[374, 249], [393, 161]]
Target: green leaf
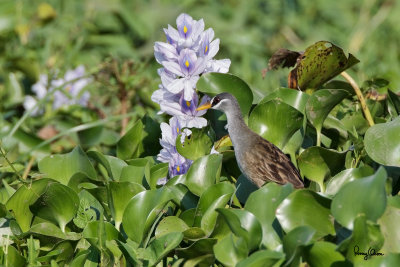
[[275, 121], [63, 167], [322, 254], [58, 204], [198, 248], [158, 171], [389, 225], [263, 258], [128, 145], [382, 143], [113, 165], [120, 193], [151, 132], [49, 229], [271, 195], [295, 98], [160, 247], [320, 104], [182, 196], [321, 62], [95, 231], [142, 211], [231, 250], [216, 196], [196, 145], [203, 173], [306, 208], [319, 164], [20, 201], [215, 83], [243, 224], [170, 224], [294, 243], [13, 258], [351, 199], [342, 178]]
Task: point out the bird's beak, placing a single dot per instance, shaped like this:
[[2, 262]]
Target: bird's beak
[[207, 105]]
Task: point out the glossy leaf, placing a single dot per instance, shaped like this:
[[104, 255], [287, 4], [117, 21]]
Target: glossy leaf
[[216, 196], [63, 167], [295, 98], [243, 224], [113, 165], [96, 231], [295, 241], [306, 208], [203, 173], [158, 171], [170, 224], [351, 200], [142, 211], [342, 178], [21, 200], [322, 254], [13, 258], [51, 230], [160, 247], [389, 226], [320, 62], [120, 193], [128, 145], [198, 248], [271, 196], [58, 204], [382, 143], [320, 104], [215, 83], [231, 250], [319, 164], [196, 145], [275, 121], [262, 258]]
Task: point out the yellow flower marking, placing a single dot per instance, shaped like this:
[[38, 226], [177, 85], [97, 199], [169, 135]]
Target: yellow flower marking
[[187, 64], [177, 129], [68, 88], [188, 103], [178, 169], [184, 29], [206, 49]]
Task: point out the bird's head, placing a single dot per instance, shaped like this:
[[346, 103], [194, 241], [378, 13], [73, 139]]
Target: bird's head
[[224, 102]]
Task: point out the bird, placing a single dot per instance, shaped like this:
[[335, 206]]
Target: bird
[[258, 159]]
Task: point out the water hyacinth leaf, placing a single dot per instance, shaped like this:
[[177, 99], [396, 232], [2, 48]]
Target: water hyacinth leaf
[[170, 224], [395, 100], [120, 193], [160, 247], [306, 208], [216, 196], [320, 62], [95, 231], [382, 143], [128, 145], [296, 99], [113, 165], [318, 164], [203, 173], [57, 204], [27, 141], [244, 187], [389, 225], [151, 132], [200, 247], [388, 260], [271, 195], [275, 121], [295, 241], [13, 258], [323, 253], [342, 178], [62, 167], [89, 209], [194, 233], [196, 145], [207, 260], [365, 236], [142, 210], [20, 201], [215, 83], [231, 250], [243, 224], [91, 136], [263, 258], [157, 172], [320, 104], [50, 229], [182, 196], [350, 201]]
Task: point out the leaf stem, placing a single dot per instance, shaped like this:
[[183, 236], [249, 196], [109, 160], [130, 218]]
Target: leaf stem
[[28, 168], [360, 96], [11, 165]]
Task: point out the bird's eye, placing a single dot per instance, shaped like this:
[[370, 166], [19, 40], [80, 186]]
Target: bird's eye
[[215, 101]]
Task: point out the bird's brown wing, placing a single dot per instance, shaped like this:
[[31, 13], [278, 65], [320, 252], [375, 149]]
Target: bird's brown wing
[[270, 164]]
